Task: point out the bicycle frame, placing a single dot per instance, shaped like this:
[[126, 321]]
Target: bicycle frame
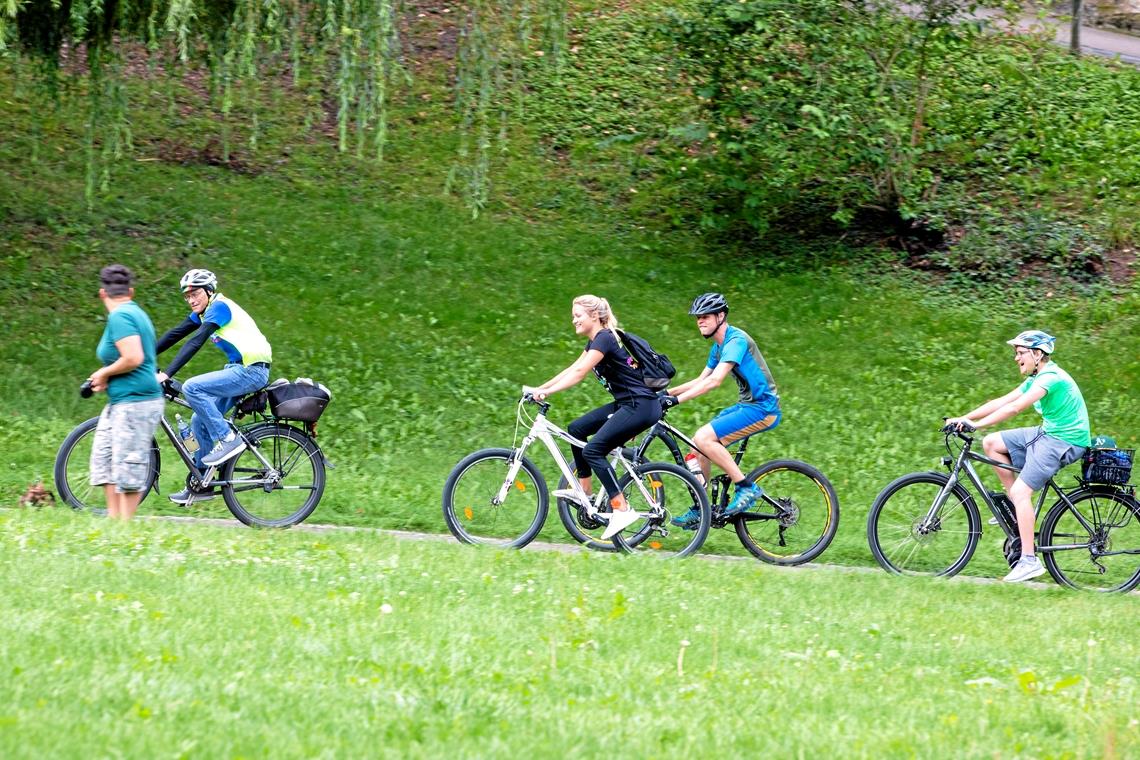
[[661, 426], [964, 462], [206, 477], [546, 432]]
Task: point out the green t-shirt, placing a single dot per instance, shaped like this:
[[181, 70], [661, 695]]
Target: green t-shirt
[[1062, 408], [140, 384]]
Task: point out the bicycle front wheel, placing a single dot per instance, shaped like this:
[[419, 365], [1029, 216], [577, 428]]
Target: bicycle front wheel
[[660, 492], [473, 510], [278, 480], [795, 519], [72, 471], [1095, 543], [903, 540]]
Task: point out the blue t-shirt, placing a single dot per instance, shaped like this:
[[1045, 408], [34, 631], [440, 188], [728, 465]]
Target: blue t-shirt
[[140, 384], [749, 369]]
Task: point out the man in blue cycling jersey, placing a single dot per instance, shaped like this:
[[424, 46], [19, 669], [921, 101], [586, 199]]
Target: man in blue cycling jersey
[[733, 352], [248, 355]]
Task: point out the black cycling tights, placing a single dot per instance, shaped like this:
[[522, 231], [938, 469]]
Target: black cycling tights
[[605, 429]]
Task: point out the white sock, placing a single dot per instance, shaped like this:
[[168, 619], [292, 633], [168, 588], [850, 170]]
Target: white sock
[[229, 437]]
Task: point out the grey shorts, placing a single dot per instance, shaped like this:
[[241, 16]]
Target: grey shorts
[[1039, 456], [120, 451]]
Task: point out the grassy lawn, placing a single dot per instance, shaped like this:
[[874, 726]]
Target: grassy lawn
[[152, 639], [425, 324]]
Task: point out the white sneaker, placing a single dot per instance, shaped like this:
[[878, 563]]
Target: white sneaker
[[1026, 568], [569, 494], [619, 521]]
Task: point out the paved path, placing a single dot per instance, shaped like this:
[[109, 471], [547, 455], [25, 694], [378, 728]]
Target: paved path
[[1094, 39], [407, 535]]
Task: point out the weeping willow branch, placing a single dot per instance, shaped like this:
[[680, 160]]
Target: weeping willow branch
[[496, 43], [354, 45]]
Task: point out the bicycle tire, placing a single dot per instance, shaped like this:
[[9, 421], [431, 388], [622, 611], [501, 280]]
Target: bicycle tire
[[468, 500], [901, 544], [72, 469], [804, 500], [674, 491], [257, 496], [1111, 513], [578, 524]]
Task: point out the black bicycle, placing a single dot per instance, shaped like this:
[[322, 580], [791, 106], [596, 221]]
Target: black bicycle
[[793, 522], [277, 481], [927, 523]]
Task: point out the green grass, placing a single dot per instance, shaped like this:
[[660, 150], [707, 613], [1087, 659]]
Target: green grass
[[153, 639], [425, 323]]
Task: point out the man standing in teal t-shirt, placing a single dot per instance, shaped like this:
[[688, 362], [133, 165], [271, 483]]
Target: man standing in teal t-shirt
[[120, 452], [1040, 452]]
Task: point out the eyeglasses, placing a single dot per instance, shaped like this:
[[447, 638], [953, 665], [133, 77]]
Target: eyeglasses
[[191, 294], [1020, 352]]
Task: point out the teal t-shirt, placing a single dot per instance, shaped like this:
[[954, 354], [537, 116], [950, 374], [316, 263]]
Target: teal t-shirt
[[140, 384], [1062, 408]]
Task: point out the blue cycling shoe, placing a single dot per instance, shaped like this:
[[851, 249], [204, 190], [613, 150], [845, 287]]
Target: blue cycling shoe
[[742, 500], [689, 520]]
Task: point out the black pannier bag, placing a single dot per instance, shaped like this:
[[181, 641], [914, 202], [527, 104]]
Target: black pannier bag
[[303, 399], [1108, 466], [254, 403], [656, 369]]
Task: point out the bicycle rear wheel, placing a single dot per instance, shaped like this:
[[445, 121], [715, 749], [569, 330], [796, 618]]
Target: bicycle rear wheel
[[795, 519], [473, 511], [72, 471], [672, 491], [1102, 546], [284, 489], [903, 541]]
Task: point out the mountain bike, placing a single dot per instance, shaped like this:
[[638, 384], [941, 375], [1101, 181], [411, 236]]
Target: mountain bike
[[498, 497], [277, 481], [927, 523], [792, 522]]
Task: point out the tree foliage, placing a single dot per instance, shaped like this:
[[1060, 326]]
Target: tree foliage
[[817, 101]]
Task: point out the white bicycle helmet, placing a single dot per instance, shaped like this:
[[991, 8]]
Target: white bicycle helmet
[[199, 278], [1042, 341]]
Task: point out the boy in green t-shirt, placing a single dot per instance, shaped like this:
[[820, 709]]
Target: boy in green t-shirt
[[1039, 452]]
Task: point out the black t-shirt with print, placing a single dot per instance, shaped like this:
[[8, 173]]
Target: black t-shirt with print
[[616, 370]]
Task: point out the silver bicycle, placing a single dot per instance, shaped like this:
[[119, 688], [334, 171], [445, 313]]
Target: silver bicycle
[[498, 497]]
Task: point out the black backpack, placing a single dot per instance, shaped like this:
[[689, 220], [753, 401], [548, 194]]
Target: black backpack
[[656, 369]]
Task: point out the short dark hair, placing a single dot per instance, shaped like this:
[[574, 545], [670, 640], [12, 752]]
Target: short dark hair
[[116, 279]]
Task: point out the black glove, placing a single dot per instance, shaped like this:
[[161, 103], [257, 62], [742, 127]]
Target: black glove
[[958, 427], [667, 401]]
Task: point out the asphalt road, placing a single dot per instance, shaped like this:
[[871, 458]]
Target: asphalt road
[[1094, 40]]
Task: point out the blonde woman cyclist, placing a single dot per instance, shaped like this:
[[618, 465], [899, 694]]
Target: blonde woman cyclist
[[634, 409]]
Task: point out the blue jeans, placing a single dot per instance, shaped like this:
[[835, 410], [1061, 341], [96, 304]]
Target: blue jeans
[[211, 395]]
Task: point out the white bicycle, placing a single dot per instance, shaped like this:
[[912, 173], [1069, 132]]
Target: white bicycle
[[499, 498]]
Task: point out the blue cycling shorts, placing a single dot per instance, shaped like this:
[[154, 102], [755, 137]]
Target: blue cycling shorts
[[739, 421]]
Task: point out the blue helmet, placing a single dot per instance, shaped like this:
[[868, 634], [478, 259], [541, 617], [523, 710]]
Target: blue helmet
[[1038, 339]]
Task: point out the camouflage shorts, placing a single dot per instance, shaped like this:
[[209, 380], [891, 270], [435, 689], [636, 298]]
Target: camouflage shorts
[[120, 452]]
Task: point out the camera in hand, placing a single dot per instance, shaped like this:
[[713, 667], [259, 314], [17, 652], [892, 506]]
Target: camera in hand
[[85, 390]]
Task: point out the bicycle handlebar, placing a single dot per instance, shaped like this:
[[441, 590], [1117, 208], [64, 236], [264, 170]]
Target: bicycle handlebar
[[528, 397]]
